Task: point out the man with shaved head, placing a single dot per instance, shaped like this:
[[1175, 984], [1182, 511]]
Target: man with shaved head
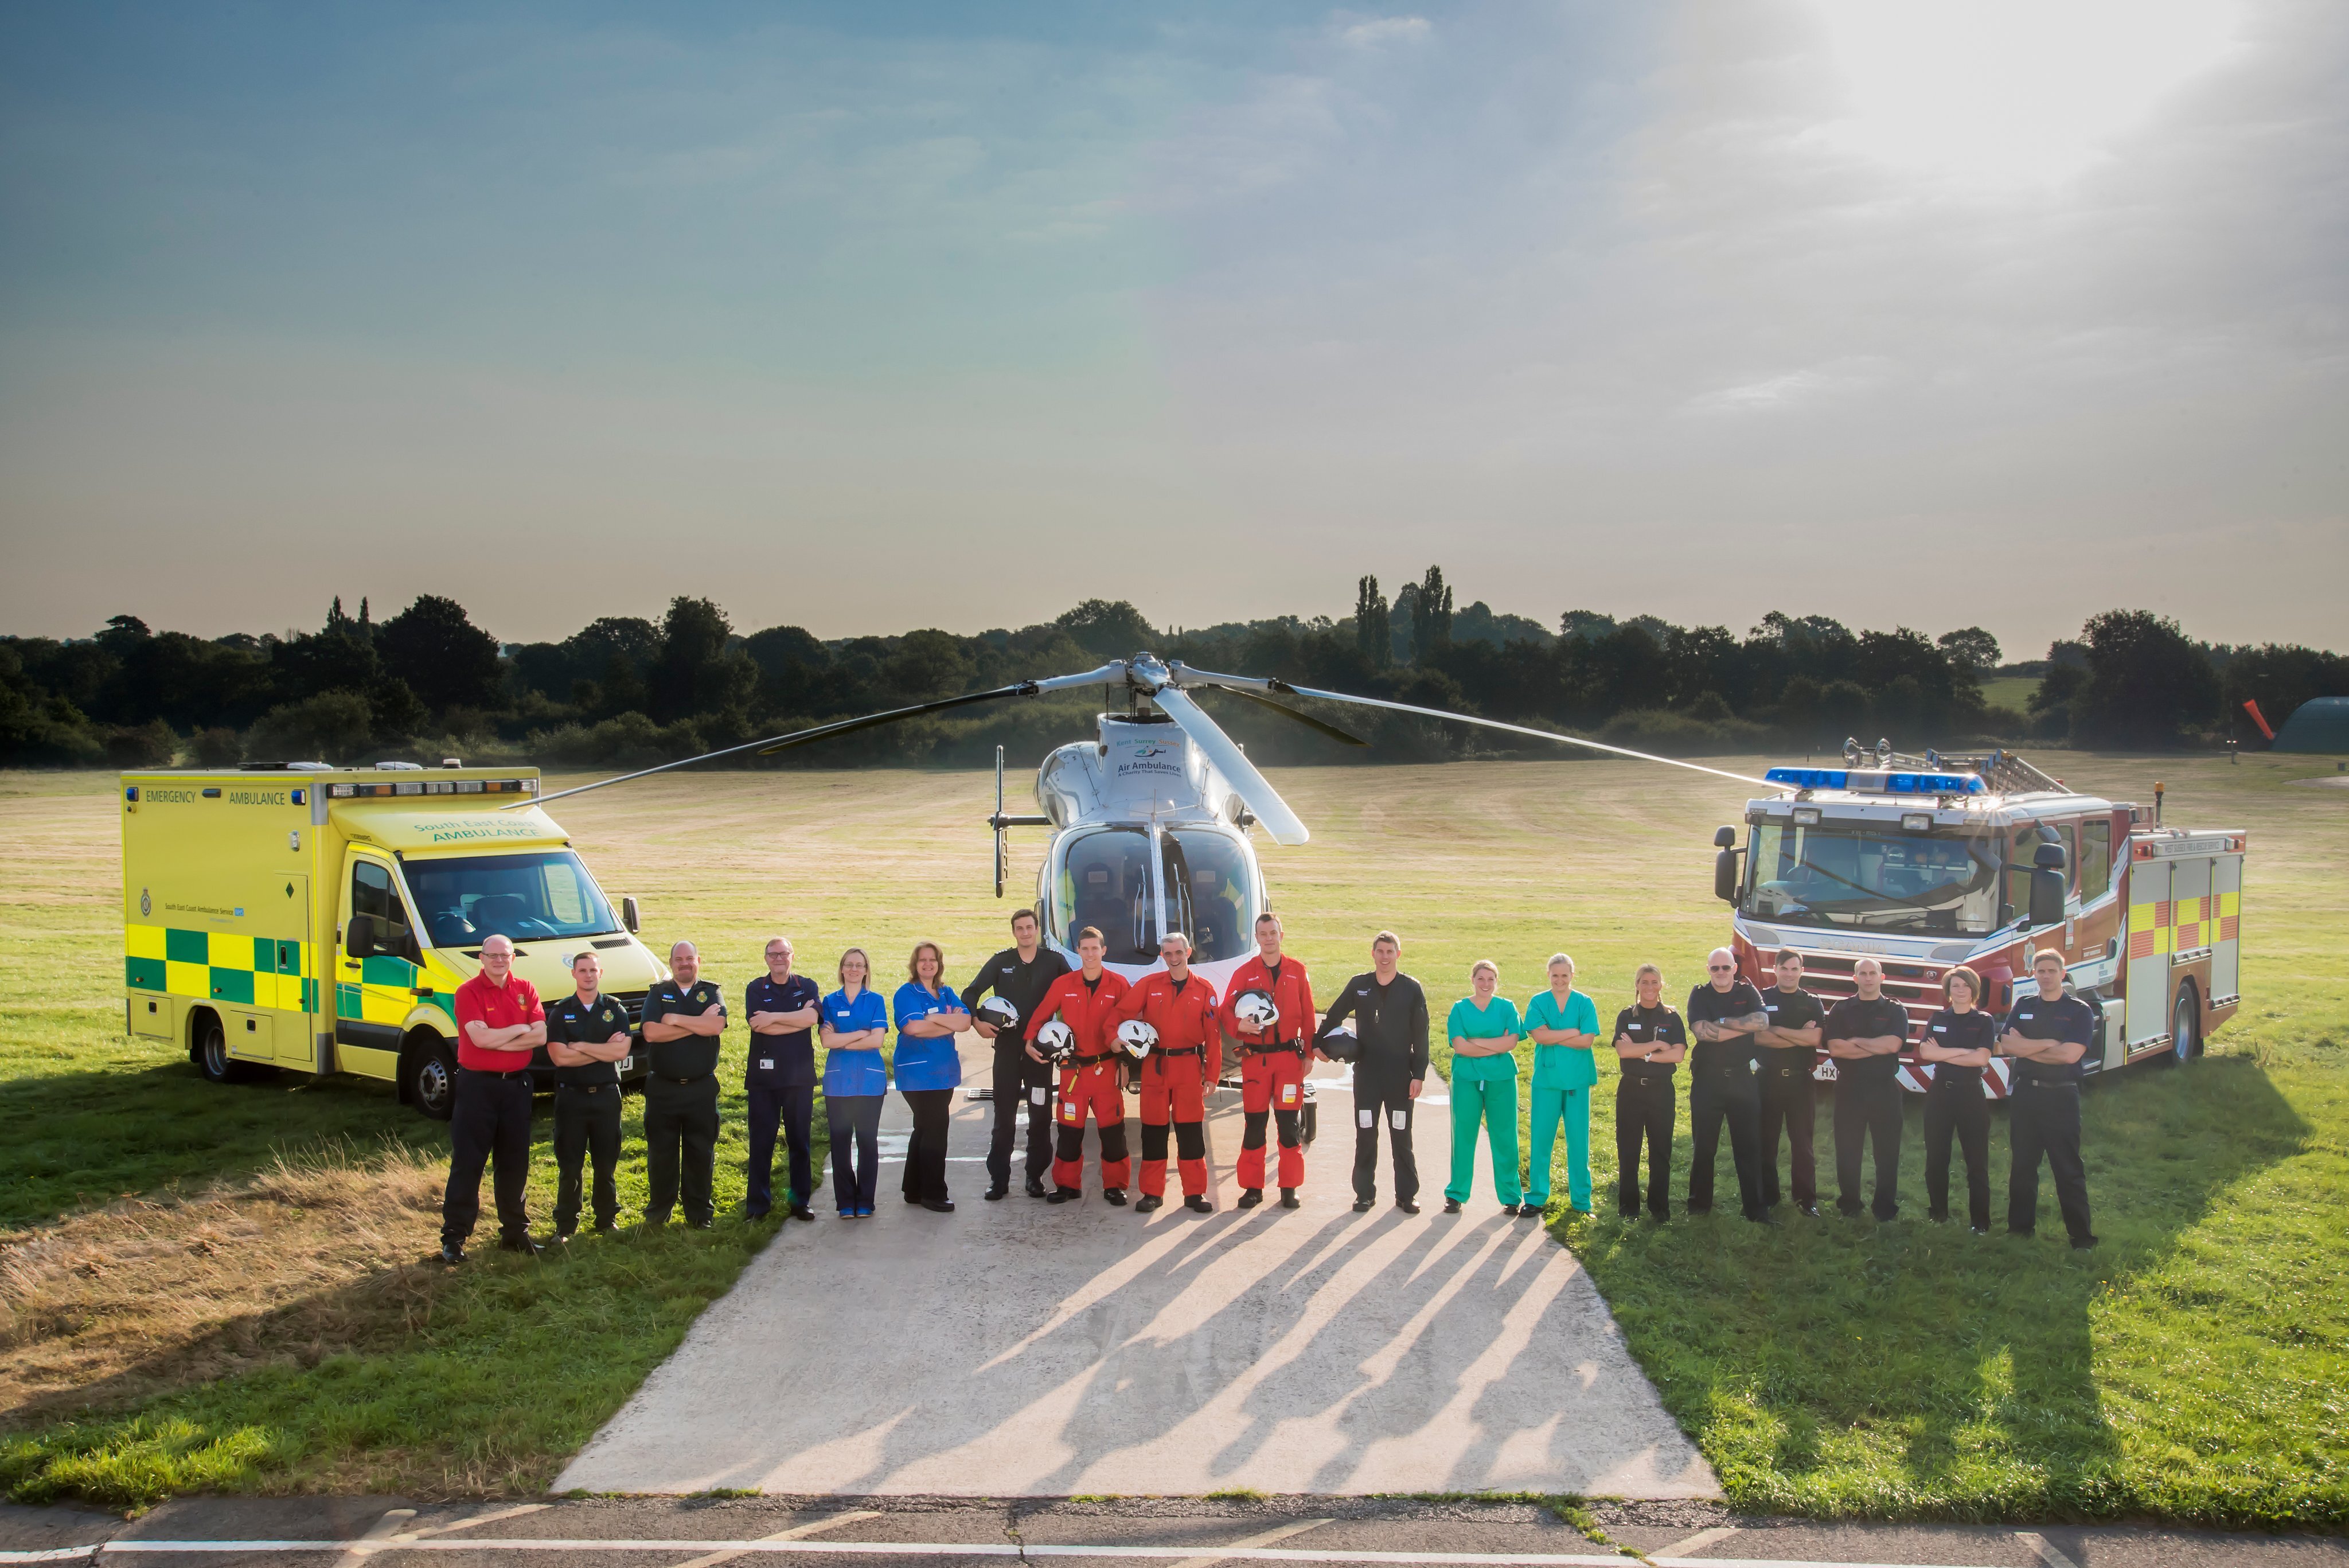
[[500, 1024], [1726, 1016], [1864, 1034], [684, 1016]]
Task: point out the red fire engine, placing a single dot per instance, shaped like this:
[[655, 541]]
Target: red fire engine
[[1926, 863]]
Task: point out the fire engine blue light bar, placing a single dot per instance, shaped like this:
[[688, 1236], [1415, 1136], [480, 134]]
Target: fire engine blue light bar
[[1876, 783]]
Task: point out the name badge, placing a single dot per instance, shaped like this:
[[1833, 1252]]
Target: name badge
[[766, 1064], [1941, 1028]]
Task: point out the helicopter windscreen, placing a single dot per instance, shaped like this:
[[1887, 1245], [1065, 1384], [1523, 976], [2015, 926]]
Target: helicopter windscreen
[[1206, 894], [1104, 882]]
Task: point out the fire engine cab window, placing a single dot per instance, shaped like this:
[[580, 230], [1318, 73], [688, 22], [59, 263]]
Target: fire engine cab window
[[1104, 882], [528, 897], [2096, 858], [1858, 875]]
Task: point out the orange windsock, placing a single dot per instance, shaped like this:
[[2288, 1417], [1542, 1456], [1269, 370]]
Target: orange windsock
[[2251, 706]]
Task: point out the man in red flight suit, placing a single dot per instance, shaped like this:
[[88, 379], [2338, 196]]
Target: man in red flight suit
[[1087, 1002], [1272, 1063], [1181, 1006]]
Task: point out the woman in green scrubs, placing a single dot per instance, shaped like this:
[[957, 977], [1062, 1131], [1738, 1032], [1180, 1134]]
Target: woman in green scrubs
[[1484, 1030], [1563, 1025]]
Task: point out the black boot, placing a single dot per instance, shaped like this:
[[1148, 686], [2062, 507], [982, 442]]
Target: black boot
[[1251, 1196]]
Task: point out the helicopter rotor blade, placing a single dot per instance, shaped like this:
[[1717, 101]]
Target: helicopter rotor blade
[[1106, 674], [1232, 762], [1202, 677], [1343, 737]]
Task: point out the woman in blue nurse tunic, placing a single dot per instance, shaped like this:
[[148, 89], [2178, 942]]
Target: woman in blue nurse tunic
[[854, 1024], [929, 1017]]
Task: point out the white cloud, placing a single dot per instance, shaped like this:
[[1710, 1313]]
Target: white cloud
[[1384, 30]]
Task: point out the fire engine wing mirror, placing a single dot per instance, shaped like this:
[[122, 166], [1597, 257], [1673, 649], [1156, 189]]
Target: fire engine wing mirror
[[1725, 866], [628, 915], [1723, 837], [2047, 893]]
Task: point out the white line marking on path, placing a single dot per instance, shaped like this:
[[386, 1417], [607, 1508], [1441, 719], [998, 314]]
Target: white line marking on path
[[2047, 1550], [1267, 1539], [796, 1532], [1701, 1538]]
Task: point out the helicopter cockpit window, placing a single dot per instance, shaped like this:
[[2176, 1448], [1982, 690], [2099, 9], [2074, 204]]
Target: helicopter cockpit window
[[1104, 882], [1207, 894]]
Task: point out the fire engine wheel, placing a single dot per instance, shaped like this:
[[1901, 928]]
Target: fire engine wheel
[[212, 1059], [431, 1070], [2185, 1025]]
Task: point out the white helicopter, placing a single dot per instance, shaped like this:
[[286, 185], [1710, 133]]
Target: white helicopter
[[1151, 820]]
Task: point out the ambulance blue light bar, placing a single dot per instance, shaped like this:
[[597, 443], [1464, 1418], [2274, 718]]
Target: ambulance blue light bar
[[1872, 783]]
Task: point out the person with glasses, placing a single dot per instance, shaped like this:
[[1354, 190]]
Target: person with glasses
[[778, 1081], [1725, 1013]]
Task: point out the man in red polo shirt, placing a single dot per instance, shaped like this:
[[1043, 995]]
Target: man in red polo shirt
[[499, 1024], [1272, 1063]]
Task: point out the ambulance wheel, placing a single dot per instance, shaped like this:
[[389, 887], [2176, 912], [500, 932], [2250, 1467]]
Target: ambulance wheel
[[212, 1059], [2186, 1025], [429, 1075]]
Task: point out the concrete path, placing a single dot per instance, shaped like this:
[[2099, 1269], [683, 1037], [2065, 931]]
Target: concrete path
[[1016, 1349]]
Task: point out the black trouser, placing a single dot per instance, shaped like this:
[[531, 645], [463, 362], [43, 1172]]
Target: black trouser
[[1718, 1095], [680, 1117], [855, 1122], [926, 1150], [2045, 1119], [1955, 1105], [1643, 1110], [790, 1112], [1788, 1100], [488, 1124], [587, 1127], [1020, 1082], [1867, 1108], [1381, 1099]]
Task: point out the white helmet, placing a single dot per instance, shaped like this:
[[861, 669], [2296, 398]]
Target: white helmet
[[1136, 1036], [1255, 1008], [999, 1011], [1057, 1041]]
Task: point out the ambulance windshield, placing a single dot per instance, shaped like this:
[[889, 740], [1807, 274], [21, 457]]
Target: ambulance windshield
[[1861, 875], [528, 897]]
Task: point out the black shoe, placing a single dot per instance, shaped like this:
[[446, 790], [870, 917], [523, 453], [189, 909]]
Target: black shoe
[[702, 1224], [995, 1194], [1531, 1211], [1036, 1187], [1408, 1205], [1938, 1216], [518, 1244], [452, 1252], [1979, 1230], [1288, 1198], [1113, 1194], [1197, 1203], [1452, 1206], [1807, 1211], [561, 1237], [607, 1228], [1149, 1203], [1361, 1206], [938, 1205], [1064, 1195], [1251, 1196], [1851, 1210], [2082, 1243], [801, 1212]]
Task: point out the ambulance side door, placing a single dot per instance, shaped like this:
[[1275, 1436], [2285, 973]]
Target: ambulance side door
[[376, 960]]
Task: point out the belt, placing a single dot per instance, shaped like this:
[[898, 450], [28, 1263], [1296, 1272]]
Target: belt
[[492, 1073], [1648, 1080], [586, 1088], [2045, 1083], [1277, 1048], [1091, 1061], [699, 1078], [1186, 1051], [1789, 1071]]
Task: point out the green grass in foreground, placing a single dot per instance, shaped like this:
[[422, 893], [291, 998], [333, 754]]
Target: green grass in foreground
[[2190, 1369]]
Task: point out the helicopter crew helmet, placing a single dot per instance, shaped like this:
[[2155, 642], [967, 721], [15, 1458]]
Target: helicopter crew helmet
[[1057, 1041], [1255, 1008], [1340, 1044], [999, 1011], [1137, 1036]]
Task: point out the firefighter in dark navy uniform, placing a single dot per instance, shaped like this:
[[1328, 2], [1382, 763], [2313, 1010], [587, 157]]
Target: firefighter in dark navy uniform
[[684, 1016], [2047, 1034], [1020, 974], [778, 1081], [586, 1037]]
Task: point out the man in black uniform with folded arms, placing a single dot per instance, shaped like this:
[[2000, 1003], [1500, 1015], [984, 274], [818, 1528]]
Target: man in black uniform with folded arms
[[779, 1082], [586, 1037], [1790, 1054], [1865, 1034], [684, 1016], [2047, 1034], [1389, 1015], [1650, 1038], [1725, 1013], [1020, 974]]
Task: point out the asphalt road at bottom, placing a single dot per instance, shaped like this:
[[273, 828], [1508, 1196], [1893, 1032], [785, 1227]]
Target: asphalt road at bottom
[[1122, 1532]]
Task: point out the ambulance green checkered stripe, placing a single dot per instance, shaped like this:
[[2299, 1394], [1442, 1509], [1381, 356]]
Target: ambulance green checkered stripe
[[235, 981], [143, 974], [187, 947]]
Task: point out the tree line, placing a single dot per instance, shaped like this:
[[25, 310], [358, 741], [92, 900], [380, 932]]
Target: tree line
[[627, 690]]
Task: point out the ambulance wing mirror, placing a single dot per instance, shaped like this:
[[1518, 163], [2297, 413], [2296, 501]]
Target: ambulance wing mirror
[[628, 915], [1724, 865], [364, 937], [2047, 884]]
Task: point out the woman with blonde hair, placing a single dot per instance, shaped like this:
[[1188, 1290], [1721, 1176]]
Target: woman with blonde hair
[[1484, 1030], [1563, 1025], [929, 1017], [1957, 1041], [853, 1023], [1650, 1040]]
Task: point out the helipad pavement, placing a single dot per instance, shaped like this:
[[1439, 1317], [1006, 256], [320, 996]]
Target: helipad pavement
[[1017, 1349]]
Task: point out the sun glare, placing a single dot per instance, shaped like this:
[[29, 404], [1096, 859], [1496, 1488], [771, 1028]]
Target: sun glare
[[2011, 91]]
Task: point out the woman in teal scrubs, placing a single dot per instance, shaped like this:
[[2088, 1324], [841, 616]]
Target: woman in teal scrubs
[[1563, 1025], [1484, 1030]]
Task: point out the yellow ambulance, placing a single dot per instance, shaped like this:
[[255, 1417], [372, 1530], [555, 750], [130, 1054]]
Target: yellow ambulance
[[310, 919]]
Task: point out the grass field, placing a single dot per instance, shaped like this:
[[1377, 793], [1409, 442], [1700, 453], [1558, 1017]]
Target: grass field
[[2010, 691], [2191, 1368]]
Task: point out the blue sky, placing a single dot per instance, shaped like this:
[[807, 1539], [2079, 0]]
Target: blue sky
[[871, 317]]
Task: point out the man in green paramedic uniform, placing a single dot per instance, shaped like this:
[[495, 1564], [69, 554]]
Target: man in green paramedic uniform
[[1563, 1025]]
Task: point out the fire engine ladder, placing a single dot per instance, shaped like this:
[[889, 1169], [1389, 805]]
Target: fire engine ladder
[[2002, 773]]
